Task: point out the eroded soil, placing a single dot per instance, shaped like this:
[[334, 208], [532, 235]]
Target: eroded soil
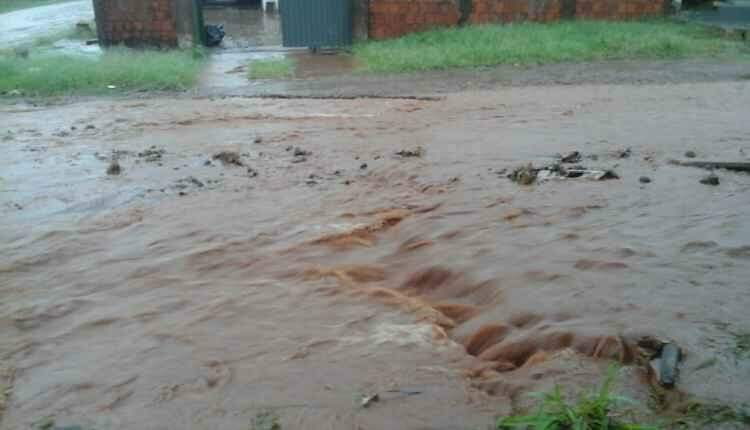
[[317, 266]]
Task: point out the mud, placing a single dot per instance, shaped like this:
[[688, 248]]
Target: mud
[[129, 302], [343, 84]]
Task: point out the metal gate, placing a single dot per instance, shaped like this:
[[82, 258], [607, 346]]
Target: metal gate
[[316, 23]]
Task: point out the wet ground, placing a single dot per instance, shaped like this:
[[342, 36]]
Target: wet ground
[[312, 265], [245, 27], [25, 26]]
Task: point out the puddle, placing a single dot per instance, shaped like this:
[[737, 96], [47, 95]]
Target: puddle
[[227, 69]]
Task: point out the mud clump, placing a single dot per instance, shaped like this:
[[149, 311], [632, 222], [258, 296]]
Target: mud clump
[[152, 154], [417, 152], [229, 158], [711, 179], [114, 168], [524, 175]]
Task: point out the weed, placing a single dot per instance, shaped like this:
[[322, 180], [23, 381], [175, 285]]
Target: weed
[[741, 345], [123, 69], [701, 415], [273, 68], [533, 43], [594, 411], [265, 421]]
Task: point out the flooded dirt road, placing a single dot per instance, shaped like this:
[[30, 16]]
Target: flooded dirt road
[[309, 265], [27, 25]]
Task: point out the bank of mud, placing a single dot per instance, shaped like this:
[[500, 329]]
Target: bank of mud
[[315, 266]]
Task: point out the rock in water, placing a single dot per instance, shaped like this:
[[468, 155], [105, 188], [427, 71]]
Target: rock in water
[[710, 180], [114, 168]]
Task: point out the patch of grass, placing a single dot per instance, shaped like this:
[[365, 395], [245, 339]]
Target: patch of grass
[[532, 43], [11, 5], [741, 345], [697, 415], [127, 70], [272, 68], [265, 421], [594, 411]]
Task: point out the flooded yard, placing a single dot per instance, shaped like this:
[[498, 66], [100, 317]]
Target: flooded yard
[[257, 258]]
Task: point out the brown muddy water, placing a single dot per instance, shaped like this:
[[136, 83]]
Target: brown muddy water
[[185, 293]]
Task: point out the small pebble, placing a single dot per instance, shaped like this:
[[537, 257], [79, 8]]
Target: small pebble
[[690, 154], [644, 179]]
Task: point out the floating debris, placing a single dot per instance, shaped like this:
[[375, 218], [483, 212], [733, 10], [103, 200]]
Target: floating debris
[[711, 179], [572, 157], [368, 400], [417, 152], [528, 174], [229, 158], [114, 168], [152, 154]]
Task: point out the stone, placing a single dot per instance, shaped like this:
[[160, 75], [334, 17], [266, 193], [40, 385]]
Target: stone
[[710, 180], [644, 179]]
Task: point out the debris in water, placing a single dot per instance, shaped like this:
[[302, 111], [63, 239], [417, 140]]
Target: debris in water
[[265, 421], [690, 154], [252, 173], [367, 400], [528, 174], [572, 157], [114, 168], [710, 180], [665, 365], [662, 358], [229, 158], [258, 139], [152, 154], [644, 180], [623, 153], [524, 175], [112, 87], [407, 153], [363, 166], [728, 165], [299, 160], [299, 152]]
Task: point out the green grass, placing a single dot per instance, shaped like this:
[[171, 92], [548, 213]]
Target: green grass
[[594, 411], [127, 70], [531, 43], [11, 5], [272, 68]]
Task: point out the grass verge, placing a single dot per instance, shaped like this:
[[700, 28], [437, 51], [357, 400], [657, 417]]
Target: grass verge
[[11, 5], [123, 69], [272, 68], [594, 411], [532, 43]]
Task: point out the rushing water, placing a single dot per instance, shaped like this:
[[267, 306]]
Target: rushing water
[[151, 300]]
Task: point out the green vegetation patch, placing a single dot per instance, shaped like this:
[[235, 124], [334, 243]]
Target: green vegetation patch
[[533, 43], [272, 68], [593, 411], [116, 70]]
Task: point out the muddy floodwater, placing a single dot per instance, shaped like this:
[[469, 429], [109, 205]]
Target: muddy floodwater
[[26, 25], [309, 265]]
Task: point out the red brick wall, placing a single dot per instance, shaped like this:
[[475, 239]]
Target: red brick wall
[[618, 9], [136, 22], [391, 18], [486, 11]]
